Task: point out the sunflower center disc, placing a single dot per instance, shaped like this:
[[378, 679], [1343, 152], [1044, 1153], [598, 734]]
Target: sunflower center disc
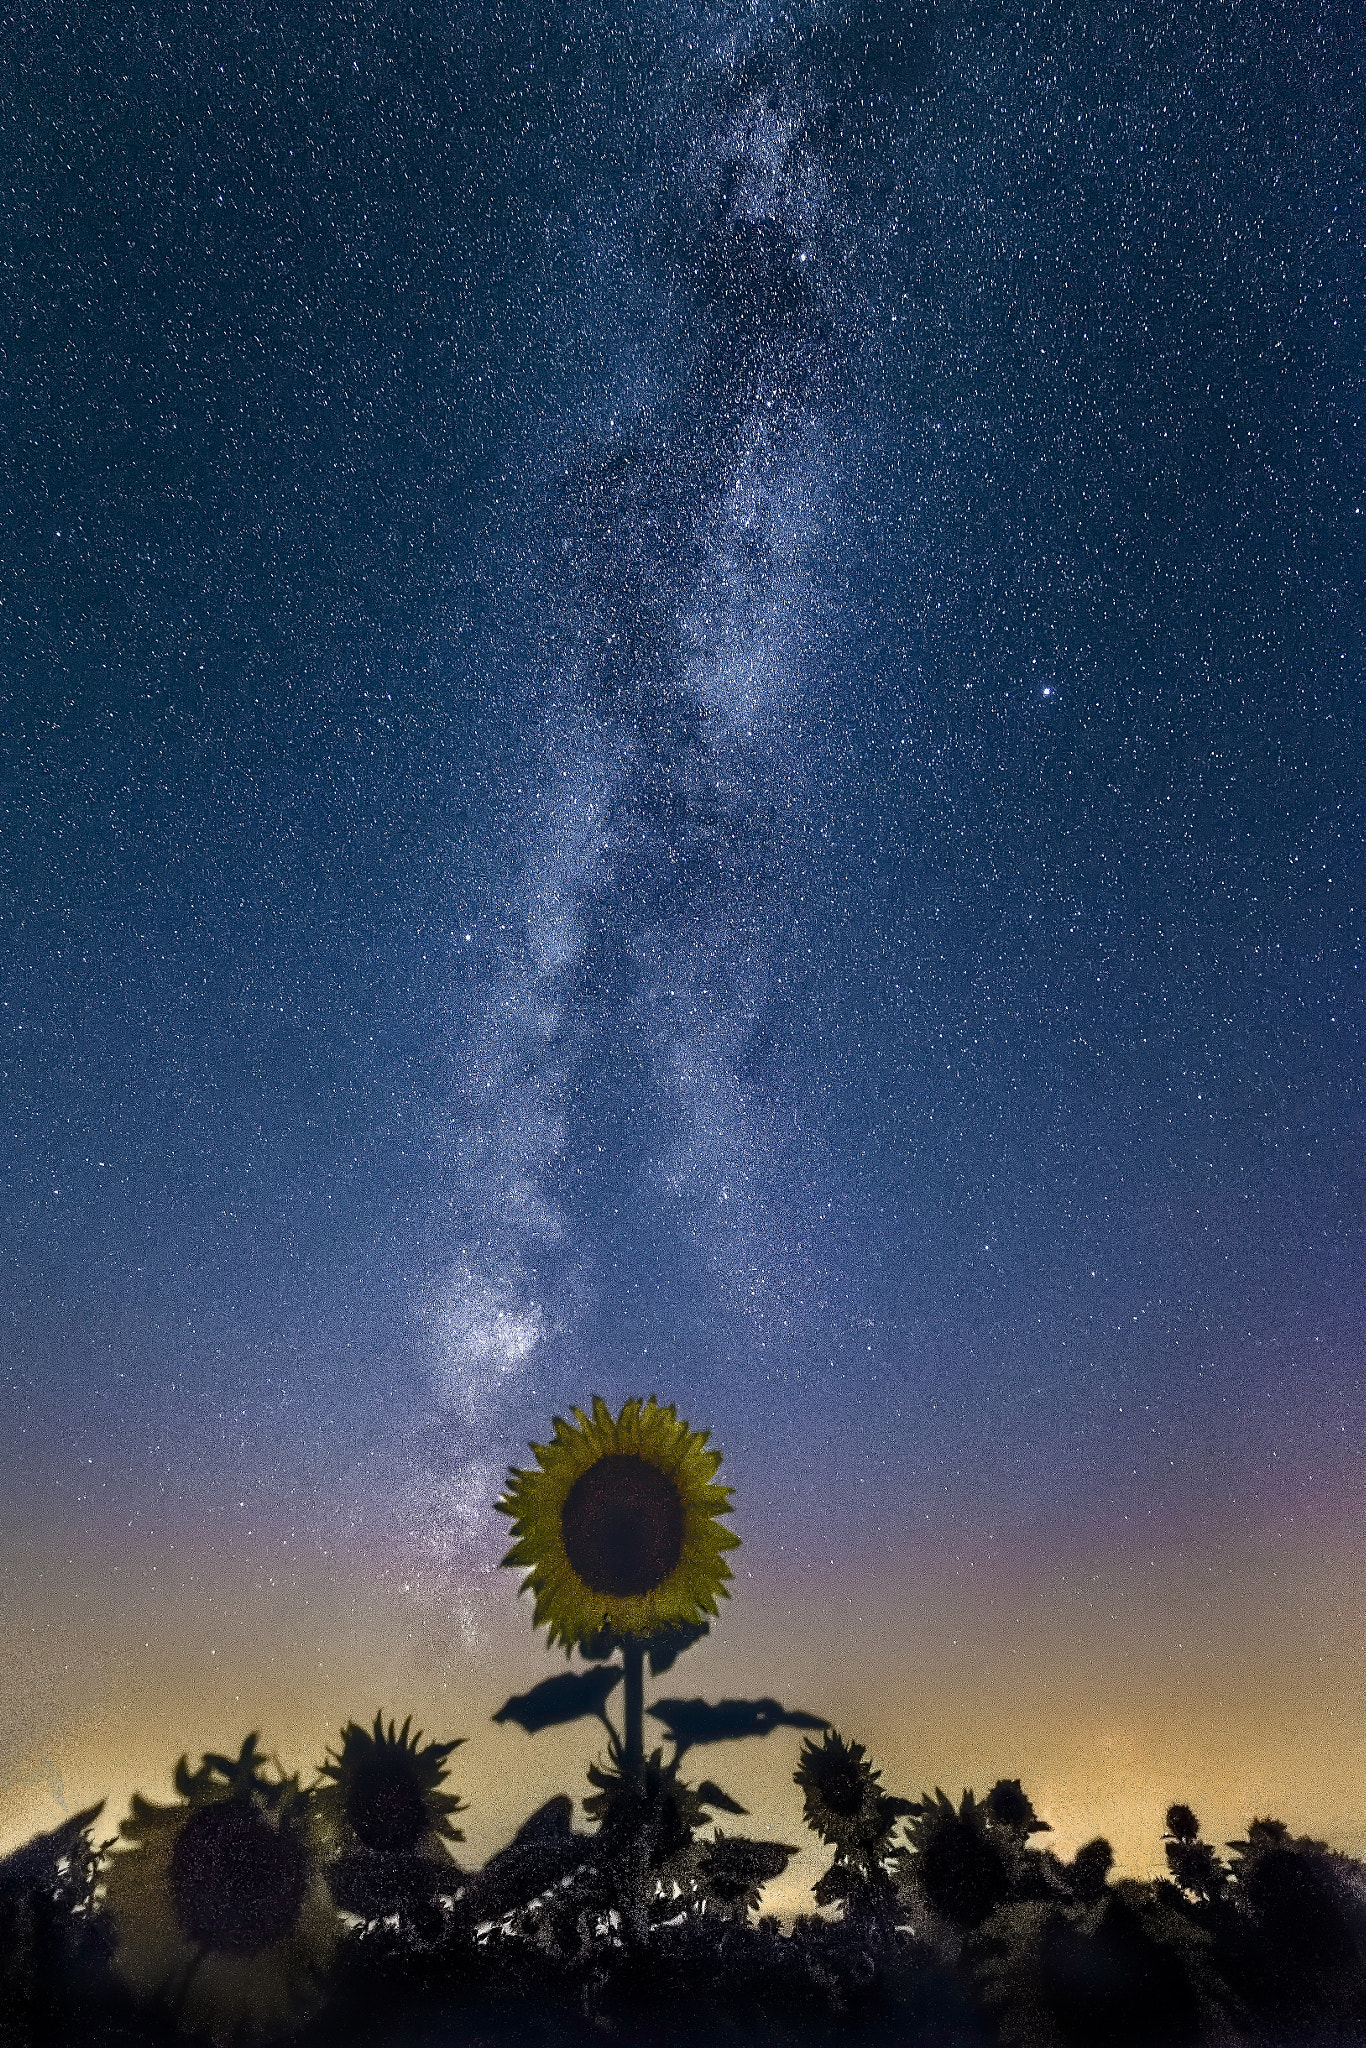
[[843, 1790], [237, 1883], [386, 1807], [623, 1525]]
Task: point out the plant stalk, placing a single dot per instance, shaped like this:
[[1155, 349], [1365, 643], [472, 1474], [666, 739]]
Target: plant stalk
[[633, 1712]]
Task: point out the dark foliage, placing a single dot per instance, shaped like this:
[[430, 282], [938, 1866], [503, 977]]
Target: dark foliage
[[53, 1948], [1089, 1870], [1114, 1986], [1294, 1936], [540, 1856], [949, 1930]]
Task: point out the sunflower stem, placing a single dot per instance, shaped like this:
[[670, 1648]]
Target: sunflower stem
[[633, 1710]]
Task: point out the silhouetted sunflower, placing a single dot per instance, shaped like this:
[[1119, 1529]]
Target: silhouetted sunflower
[[619, 1526], [386, 1790], [955, 1861], [219, 1907], [387, 1821], [843, 1801], [1009, 1806], [1196, 1867]]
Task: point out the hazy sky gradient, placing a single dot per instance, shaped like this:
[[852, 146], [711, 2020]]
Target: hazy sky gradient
[[681, 705]]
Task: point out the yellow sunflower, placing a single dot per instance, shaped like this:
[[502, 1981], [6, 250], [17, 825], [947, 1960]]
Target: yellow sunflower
[[219, 1906], [619, 1526]]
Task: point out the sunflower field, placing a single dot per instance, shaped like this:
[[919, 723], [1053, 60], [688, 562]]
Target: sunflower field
[[264, 1906]]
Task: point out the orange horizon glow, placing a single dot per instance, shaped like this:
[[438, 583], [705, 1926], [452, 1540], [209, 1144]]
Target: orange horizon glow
[[1110, 1684]]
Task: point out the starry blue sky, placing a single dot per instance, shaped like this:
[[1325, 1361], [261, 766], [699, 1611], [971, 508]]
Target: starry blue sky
[[681, 704]]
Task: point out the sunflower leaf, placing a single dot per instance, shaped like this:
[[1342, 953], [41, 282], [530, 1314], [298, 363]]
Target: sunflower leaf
[[696, 1720], [666, 1647], [574, 1696], [710, 1794]]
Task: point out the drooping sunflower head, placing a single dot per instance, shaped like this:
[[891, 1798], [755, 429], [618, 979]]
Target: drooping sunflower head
[[843, 1800], [219, 1904], [386, 1789], [618, 1528]]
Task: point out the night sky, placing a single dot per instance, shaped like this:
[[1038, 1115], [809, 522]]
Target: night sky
[[680, 712]]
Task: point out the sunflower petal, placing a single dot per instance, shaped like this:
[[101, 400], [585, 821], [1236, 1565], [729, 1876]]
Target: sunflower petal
[[575, 1611]]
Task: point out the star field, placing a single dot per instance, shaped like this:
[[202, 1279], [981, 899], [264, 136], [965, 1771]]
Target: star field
[[681, 704]]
